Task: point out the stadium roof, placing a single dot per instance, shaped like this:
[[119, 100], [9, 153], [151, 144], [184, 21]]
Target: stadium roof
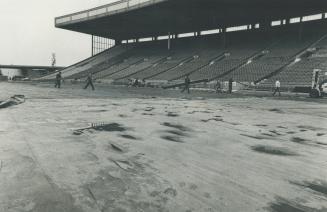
[[145, 18]]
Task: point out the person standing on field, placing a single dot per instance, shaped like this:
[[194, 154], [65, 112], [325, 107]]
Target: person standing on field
[[230, 85], [187, 84], [277, 88], [58, 80]]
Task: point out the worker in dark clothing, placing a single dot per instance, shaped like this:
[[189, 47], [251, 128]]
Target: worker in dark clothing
[[136, 83], [218, 87], [89, 81], [230, 85], [58, 80], [187, 84]]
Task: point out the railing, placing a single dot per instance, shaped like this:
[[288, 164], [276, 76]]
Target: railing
[[103, 10]]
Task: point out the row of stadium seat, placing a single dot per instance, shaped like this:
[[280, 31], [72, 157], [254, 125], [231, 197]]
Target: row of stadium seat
[[247, 56]]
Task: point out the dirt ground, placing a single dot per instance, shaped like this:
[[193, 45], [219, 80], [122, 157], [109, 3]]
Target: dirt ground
[[126, 149]]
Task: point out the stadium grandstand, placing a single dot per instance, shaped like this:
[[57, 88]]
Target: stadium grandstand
[[254, 42], [13, 72]]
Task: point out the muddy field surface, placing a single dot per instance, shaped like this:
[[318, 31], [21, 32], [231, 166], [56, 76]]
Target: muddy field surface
[[123, 149]]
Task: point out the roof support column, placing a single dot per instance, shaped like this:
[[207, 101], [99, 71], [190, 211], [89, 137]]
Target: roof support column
[[224, 38], [92, 46], [300, 29], [169, 41], [118, 42], [265, 27], [323, 15], [252, 26]]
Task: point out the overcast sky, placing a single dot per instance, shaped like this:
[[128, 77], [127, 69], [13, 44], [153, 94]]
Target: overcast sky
[[28, 35]]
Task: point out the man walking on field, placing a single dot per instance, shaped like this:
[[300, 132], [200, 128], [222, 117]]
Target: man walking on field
[[89, 81], [277, 88]]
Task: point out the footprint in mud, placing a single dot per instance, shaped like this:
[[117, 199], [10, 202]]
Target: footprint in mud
[[290, 132], [273, 150], [320, 134]]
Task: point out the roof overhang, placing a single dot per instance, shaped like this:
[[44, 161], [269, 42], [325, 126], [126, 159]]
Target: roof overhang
[[147, 18]]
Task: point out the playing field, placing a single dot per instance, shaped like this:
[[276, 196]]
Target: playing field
[[126, 149]]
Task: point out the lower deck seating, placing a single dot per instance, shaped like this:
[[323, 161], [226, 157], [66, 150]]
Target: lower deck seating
[[246, 56]]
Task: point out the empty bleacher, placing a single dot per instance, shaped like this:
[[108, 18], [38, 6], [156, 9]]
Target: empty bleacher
[[247, 56], [299, 73]]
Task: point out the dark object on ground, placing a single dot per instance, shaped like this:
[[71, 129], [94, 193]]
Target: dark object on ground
[[299, 140], [282, 205], [172, 138], [112, 127], [129, 137], [273, 150], [176, 126], [14, 100], [117, 148], [317, 186]]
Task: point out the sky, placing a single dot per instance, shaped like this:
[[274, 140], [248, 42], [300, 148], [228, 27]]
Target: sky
[[28, 35]]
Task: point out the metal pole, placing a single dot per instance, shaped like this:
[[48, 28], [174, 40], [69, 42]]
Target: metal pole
[[92, 46], [168, 40]]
